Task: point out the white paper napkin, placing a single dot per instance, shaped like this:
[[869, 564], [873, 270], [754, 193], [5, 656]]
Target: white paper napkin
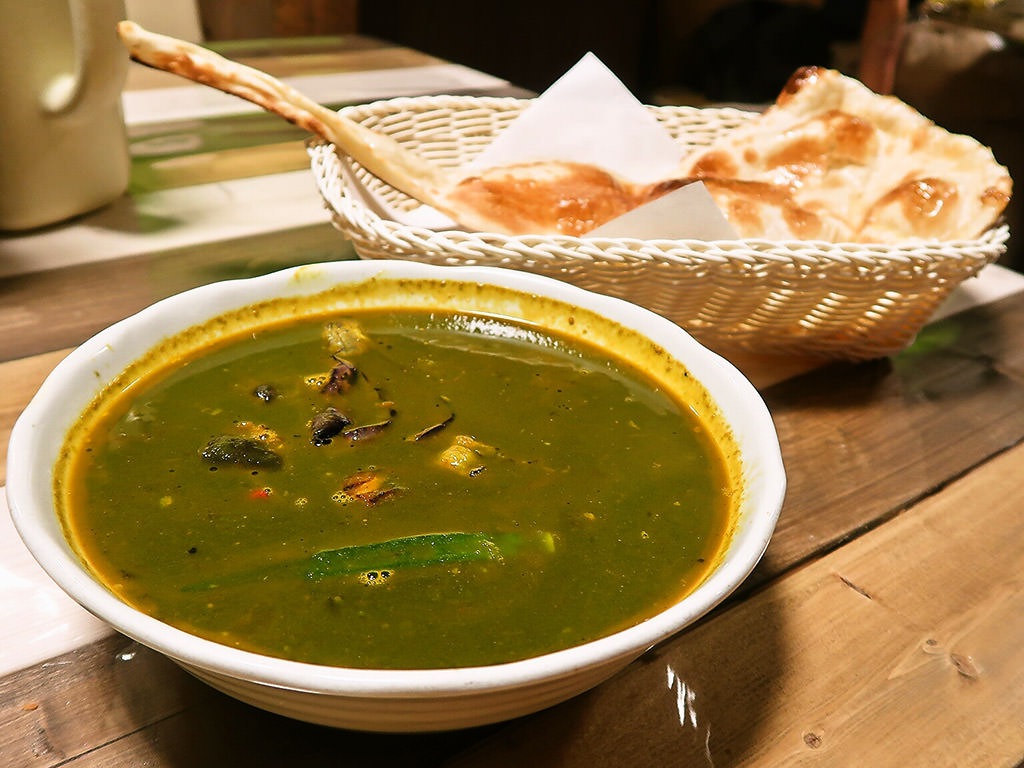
[[588, 116], [687, 213]]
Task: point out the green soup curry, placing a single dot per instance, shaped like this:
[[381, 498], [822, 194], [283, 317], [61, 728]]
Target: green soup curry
[[403, 489]]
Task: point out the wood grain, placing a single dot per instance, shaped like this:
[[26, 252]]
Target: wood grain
[[288, 57], [902, 649], [72, 704], [44, 311], [313, 17], [19, 380], [116, 703], [229, 19], [361, 54], [863, 441], [221, 165]]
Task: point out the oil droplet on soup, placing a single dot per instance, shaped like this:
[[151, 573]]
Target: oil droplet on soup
[[397, 490]]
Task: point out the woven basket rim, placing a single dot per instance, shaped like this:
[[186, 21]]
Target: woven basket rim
[[622, 248], [617, 248], [380, 106]]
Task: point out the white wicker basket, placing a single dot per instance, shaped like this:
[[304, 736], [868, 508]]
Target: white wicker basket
[[846, 300]]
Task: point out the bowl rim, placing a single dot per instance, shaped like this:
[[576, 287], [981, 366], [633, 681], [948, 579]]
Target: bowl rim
[[30, 466]]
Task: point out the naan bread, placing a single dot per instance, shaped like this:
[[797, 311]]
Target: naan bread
[[548, 196], [574, 198], [869, 167], [831, 160]]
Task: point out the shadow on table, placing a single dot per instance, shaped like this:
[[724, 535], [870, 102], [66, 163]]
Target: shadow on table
[[692, 701], [181, 722], [683, 701]]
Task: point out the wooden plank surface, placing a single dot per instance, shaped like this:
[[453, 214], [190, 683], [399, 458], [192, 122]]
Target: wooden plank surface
[[887, 433], [302, 55], [70, 705], [116, 703], [19, 380], [226, 19], [44, 311], [900, 649]]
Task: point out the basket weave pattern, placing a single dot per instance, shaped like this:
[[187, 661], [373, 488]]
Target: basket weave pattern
[[844, 300]]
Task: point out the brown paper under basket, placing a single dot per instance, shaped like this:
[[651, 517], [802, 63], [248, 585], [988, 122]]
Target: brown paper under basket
[[843, 300]]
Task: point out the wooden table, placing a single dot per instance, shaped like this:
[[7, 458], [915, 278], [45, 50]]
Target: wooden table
[[883, 627]]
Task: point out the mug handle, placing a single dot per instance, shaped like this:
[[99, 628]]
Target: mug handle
[[101, 61]]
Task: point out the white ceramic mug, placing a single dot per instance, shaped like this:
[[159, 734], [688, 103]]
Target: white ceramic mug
[[63, 149]]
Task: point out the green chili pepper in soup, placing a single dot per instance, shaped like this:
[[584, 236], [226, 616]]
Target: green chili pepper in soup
[[398, 490]]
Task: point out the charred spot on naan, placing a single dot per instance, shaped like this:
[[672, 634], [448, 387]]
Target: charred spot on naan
[[798, 81], [929, 207], [926, 206]]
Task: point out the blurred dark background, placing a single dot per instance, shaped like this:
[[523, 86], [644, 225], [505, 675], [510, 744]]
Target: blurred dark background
[[959, 62], [738, 50]]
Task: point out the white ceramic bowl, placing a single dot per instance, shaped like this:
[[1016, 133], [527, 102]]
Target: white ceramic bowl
[[386, 700]]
